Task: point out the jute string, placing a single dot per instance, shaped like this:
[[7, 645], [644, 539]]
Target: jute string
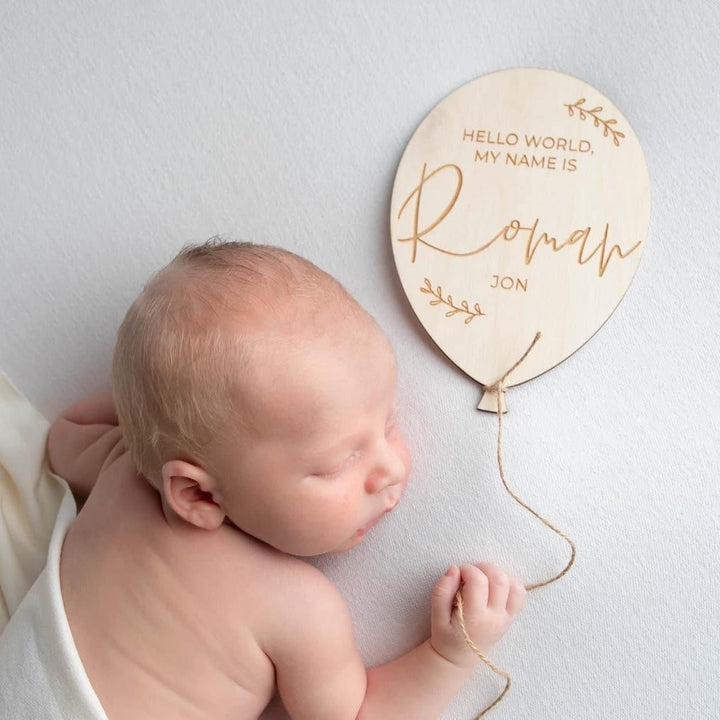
[[499, 388]]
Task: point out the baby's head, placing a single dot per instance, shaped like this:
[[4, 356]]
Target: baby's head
[[253, 389]]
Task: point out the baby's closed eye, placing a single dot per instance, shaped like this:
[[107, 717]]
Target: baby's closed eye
[[338, 469]]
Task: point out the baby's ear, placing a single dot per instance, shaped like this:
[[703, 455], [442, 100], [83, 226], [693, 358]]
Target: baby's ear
[[187, 490]]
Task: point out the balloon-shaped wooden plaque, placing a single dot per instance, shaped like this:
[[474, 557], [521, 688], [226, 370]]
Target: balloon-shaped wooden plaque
[[521, 205]]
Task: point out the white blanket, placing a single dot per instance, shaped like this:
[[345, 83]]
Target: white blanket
[[30, 497], [41, 674]]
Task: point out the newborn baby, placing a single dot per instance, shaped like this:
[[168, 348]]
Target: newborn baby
[[257, 425]]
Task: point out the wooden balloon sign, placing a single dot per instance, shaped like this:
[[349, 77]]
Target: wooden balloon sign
[[518, 217], [521, 205]]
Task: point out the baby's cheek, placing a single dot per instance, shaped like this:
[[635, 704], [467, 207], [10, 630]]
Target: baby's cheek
[[339, 512]]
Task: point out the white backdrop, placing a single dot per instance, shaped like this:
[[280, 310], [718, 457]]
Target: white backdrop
[[128, 129]]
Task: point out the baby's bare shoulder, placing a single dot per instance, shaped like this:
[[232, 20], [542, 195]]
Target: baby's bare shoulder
[[282, 579], [285, 596]]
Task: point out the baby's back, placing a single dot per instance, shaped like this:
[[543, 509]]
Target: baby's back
[[168, 619]]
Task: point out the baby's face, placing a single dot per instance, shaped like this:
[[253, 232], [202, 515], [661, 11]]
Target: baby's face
[[323, 459]]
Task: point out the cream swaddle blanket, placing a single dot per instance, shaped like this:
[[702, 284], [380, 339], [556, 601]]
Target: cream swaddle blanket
[[41, 674], [30, 497]]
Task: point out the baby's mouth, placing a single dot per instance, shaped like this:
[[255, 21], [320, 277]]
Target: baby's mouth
[[366, 528], [369, 526]]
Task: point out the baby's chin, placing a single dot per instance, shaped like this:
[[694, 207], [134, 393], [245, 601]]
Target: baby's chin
[[352, 542], [317, 552], [357, 538], [348, 545]]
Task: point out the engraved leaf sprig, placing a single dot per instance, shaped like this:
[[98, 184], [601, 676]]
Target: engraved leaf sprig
[[463, 308], [607, 125]]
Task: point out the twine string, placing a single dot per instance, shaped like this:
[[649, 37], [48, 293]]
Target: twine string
[[484, 658], [499, 388]]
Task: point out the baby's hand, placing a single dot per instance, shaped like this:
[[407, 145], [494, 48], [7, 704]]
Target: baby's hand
[[491, 600]]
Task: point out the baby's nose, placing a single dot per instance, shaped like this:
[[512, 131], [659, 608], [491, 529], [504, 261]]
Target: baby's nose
[[389, 470]]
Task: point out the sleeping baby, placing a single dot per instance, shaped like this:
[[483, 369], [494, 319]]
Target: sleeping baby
[[252, 423]]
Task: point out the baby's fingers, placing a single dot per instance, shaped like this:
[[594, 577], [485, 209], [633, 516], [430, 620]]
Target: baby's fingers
[[516, 598], [475, 589], [498, 586], [505, 592], [443, 597]]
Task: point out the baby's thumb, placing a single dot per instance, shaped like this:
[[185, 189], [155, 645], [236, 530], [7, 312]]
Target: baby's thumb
[[443, 596]]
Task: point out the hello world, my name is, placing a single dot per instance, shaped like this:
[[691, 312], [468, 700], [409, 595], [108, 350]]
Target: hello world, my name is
[[526, 149]]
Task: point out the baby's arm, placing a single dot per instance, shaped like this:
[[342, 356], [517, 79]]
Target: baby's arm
[[320, 675], [81, 439]]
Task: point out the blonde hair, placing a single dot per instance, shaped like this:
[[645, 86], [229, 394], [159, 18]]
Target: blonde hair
[[181, 350]]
